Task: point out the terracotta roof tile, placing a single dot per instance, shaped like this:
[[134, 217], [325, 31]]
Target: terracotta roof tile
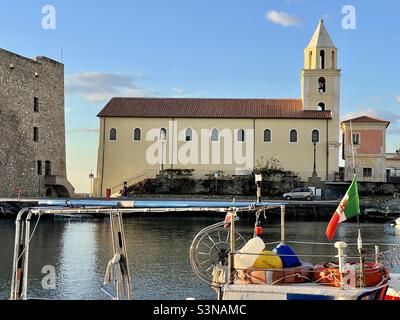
[[210, 108], [367, 119]]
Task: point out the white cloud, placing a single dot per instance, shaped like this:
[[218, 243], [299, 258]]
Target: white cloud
[[178, 90], [398, 99], [98, 87], [84, 130], [283, 18]]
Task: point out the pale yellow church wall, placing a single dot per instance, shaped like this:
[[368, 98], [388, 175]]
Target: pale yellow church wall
[[297, 157], [124, 158]]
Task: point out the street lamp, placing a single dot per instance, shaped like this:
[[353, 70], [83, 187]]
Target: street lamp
[[91, 177], [315, 140], [163, 137], [216, 176], [258, 182]]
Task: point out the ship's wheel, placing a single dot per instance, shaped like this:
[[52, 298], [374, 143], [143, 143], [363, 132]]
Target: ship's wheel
[[211, 247]]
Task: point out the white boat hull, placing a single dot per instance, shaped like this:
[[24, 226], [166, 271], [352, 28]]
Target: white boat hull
[[307, 291]]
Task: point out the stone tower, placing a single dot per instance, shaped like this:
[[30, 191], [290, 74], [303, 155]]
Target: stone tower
[[32, 128], [320, 86]]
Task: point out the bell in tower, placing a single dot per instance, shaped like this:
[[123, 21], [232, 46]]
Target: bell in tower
[[320, 78]]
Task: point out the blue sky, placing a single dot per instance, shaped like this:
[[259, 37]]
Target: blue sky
[[203, 48]]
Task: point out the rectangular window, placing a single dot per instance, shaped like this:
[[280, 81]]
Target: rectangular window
[[47, 168], [36, 134], [39, 168], [367, 172], [36, 104], [356, 139]]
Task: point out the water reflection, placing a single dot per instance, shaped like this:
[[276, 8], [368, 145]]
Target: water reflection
[[158, 251]]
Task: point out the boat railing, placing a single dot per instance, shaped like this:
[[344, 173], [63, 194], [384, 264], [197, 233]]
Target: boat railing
[[215, 249]]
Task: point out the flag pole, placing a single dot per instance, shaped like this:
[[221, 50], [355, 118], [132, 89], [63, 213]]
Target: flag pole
[[359, 239]]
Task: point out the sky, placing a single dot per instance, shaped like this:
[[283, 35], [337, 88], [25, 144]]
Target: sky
[[204, 49]]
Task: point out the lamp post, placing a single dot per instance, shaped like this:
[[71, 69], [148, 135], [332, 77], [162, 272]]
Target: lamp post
[[91, 177], [216, 176], [163, 136], [258, 182], [315, 139]]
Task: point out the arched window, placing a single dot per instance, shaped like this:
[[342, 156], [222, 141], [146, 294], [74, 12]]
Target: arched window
[[321, 106], [189, 134], [309, 59], [293, 136], [322, 59], [267, 135], [315, 136], [321, 84], [214, 135], [163, 134], [333, 60], [137, 135], [113, 134], [240, 135]]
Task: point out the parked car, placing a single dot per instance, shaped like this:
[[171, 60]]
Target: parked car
[[300, 193], [389, 210]]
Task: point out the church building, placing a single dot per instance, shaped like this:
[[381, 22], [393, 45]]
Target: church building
[[139, 137]]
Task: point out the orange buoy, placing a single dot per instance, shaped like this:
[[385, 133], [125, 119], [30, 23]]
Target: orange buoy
[[329, 274]]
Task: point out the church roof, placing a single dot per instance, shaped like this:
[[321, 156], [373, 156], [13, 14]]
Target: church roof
[[210, 108], [321, 38], [367, 119]]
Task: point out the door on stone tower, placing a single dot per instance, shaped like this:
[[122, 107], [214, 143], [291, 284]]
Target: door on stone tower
[[48, 168]]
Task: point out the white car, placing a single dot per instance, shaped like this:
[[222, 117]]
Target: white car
[[300, 193]]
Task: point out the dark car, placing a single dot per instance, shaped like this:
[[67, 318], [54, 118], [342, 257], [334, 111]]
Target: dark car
[[388, 210]]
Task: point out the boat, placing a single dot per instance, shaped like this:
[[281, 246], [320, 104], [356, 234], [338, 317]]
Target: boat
[[229, 264], [117, 280], [240, 269]]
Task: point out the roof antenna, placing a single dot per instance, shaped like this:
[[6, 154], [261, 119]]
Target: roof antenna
[[62, 55]]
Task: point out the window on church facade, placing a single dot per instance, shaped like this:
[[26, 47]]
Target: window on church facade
[[214, 135], [315, 136], [113, 134], [293, 136], [321, 84], [267, 135], [241, 135], [189, 135], [163, 134], [137, 135], [322, 59]]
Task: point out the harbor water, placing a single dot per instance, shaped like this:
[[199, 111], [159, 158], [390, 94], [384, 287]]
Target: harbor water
[[158, 249]]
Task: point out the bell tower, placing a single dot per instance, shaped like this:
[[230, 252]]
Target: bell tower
[[320, 85]]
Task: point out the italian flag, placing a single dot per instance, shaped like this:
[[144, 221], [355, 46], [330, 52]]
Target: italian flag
[[348, 208]]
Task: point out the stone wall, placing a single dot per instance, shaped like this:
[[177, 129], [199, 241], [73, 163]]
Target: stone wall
[[225, 185], [21, 80]]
